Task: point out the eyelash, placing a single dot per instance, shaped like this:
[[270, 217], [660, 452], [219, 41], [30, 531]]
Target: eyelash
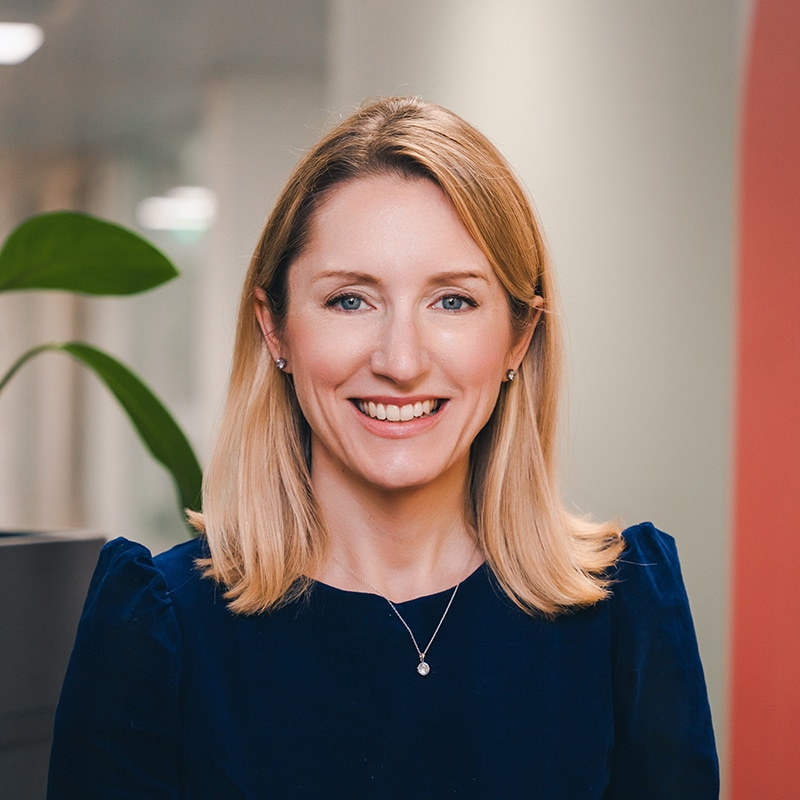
[[339, 298]]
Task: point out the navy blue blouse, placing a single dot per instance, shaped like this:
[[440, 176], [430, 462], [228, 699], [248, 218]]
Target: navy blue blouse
[[169, 695]]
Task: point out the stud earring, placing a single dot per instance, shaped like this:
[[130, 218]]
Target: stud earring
[[280, 363], [511, 374]]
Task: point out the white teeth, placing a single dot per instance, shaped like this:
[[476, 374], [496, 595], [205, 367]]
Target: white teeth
[[394, 413]]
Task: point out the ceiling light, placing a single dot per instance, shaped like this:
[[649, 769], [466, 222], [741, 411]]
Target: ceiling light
[[185, 208], [18, 41]]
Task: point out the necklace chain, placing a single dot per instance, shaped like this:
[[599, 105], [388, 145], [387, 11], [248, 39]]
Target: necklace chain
[[423, 668]]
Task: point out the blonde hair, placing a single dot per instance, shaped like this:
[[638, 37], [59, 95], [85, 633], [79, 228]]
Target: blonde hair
[[264, 530]]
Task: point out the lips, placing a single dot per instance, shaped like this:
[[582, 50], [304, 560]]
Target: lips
[[398, 413]]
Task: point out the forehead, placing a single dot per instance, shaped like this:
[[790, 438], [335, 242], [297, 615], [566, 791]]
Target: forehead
[[385, 218]]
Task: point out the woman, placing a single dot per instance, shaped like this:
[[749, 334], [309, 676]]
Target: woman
[[389, 598]]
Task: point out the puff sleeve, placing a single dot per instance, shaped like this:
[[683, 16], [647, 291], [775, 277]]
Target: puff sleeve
[[118, 724], [664, 741]]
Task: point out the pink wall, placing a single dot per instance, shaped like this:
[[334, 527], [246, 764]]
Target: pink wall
[[764, 759]]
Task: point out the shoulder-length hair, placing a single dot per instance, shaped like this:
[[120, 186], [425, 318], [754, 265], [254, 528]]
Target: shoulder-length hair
[[264, 530]]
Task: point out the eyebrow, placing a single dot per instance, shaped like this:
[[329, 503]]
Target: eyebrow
[[458, 275], [354, 276], [350, 276]]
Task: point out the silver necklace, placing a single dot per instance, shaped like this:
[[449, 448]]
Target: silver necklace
[[423, 668]]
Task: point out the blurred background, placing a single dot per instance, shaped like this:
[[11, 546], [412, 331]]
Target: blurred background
[[182, 119]]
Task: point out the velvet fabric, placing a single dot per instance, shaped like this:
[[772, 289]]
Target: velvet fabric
[[169, 695]]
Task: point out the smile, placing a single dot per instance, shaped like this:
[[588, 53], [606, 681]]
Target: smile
[[393, 413]]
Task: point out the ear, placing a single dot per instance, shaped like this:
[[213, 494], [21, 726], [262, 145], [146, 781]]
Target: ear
[[268, 327], [523, 342]]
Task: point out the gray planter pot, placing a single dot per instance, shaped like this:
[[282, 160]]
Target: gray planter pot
[[43, 582]]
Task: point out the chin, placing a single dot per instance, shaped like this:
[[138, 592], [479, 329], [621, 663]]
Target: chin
[[406, 478]]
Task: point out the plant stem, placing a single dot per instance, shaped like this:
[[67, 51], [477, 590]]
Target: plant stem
[[22, 360]]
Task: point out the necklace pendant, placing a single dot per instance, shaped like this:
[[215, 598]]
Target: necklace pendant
[[423, 667]]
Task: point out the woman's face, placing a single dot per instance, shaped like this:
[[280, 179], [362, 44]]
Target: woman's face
[[397, 335]]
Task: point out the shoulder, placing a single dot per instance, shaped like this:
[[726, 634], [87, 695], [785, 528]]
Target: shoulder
[[664, 737], [132, 584], [120, 701], [649, 604], [651, 619], [648, 567], [644, 542], [178, 565]]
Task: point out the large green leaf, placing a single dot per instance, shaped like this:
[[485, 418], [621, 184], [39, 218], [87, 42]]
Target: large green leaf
[[80, 253], [159, 432]]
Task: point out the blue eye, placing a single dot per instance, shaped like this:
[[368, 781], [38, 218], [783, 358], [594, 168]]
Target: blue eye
[[347, 302], [455, 302]]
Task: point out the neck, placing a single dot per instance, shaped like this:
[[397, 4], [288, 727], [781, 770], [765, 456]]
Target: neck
[[405, 543]]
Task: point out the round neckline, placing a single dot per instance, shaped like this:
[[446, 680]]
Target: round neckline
[[354, 593]]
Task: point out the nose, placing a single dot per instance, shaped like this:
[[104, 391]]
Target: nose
[[400, 351]]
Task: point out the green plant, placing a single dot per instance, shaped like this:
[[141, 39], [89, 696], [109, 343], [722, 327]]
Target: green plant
[[79, 253]]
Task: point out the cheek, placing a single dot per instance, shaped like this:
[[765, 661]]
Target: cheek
[[320, 359], [480, 357]]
